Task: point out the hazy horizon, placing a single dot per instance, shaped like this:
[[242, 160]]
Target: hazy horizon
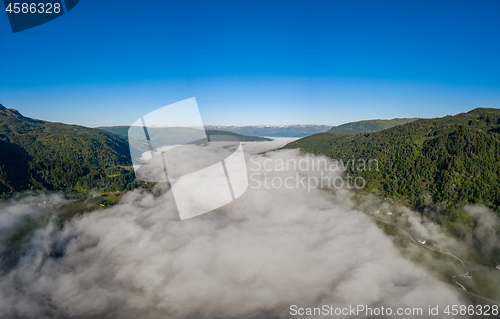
[[261, 125]]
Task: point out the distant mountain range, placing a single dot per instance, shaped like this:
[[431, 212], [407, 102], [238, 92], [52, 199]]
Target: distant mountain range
[[298, 130], [273, 130], [173, 135], [369, 126]]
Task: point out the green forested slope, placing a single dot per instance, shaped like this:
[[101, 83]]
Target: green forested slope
[[36, 154], [369, 126], [454, 160]]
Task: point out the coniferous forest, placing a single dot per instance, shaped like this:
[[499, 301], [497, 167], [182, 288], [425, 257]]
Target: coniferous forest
[[40, 155], [447, 161], [54, 156]]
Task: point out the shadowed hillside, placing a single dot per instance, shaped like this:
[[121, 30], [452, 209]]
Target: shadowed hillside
[[37, 154]]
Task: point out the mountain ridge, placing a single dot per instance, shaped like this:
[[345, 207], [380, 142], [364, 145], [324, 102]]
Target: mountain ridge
[[452, 159], [294, 130], [369, 126], [123, 130], [39, 155], [302, 130]]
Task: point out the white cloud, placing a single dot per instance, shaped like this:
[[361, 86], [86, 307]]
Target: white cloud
[[255, 257]]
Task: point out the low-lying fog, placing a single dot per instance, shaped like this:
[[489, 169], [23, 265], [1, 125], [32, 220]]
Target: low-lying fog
[[254, 258]]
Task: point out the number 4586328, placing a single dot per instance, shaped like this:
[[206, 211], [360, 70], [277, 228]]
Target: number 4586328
[[33, 8]]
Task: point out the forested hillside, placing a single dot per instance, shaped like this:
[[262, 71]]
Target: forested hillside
[[36, 154], [452, 160], [369, 126]]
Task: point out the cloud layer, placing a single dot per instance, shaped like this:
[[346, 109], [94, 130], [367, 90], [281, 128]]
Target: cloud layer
[[253, 258]]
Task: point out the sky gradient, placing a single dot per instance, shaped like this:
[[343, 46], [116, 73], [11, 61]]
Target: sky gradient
[[255, 62]]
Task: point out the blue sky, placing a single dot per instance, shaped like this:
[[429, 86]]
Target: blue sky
[[255, 62]]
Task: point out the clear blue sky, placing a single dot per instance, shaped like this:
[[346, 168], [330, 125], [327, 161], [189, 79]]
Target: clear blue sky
[[255, 62]]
